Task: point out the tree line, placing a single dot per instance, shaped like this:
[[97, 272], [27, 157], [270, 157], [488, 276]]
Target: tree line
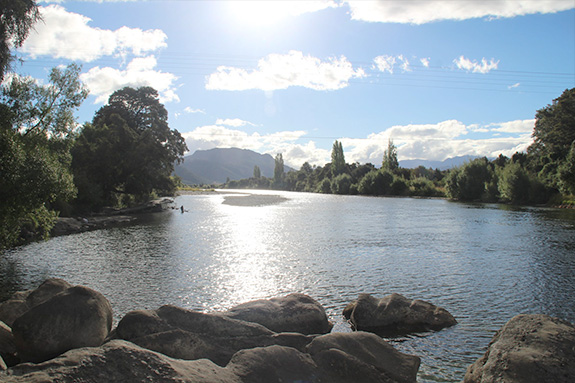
[[51, 165], [545, 173]]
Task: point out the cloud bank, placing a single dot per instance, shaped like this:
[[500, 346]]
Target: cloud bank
[[281, 71], [438, 141]]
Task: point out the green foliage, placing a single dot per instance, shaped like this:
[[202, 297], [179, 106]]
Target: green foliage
[[470, 182], [279, 171], [36, 130], [390, 162], [257, 172], [128, 152], [514, 185], [567, 172], [376, 182], [423, 187], [337, 159], [16, 19], [341, 184]]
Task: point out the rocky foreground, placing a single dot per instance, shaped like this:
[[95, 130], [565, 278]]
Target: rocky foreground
[[59, 332]]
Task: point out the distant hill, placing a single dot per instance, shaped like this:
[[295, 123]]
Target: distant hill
[[441, 165], [215, 166]]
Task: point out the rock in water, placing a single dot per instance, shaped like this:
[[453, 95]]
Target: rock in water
[[395, 315], [361, 356], [117, 361], [292, 313], [528, 349], [23, 301], [77, 317]]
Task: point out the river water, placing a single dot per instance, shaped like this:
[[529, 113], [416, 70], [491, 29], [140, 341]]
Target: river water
[[483, 263]]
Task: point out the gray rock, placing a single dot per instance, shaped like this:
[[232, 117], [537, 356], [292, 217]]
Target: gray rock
[[118, 361], [23, 301], [188, 334], [7, 346], [528, 348], [396, 315], [77, 317], [362, 356], [293, 313]]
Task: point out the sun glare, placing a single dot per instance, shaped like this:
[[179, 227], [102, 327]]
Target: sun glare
[[259, 13]]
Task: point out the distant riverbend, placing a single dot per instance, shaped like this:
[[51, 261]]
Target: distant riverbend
[[484, 263]]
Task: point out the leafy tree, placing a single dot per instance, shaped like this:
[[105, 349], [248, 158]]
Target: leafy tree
[[390, 162], [37, 126], [468, 182], [337, 159], [376, 182], [279, 170], [567, 172], [341, 184], [16, 19], [257, 172], [128, 151], [514, 184]]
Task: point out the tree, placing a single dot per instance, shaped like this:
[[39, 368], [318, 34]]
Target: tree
[[469, 182], [390, 162], [567, 173], [128, 151], [37, 127], [257, 172], [16, 19], [337, 159], [514, 184], [279, 170]]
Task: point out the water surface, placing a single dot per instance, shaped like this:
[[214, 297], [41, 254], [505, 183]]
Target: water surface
[[483, 263]]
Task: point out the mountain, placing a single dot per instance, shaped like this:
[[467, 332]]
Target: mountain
[[441, 165], [215, 166]]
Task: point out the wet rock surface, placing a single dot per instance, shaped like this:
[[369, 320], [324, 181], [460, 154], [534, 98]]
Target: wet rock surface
[[395, 315], [528, 348]]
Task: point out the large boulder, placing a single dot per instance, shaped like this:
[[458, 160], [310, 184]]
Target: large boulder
[[395, 315], [362, 356], [77, 317], [118, 361], [7, 346], [292, 313], [188, 334], [23, 301], [529, 348]]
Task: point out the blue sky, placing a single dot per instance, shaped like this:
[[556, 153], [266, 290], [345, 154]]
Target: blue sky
[[440, 78]]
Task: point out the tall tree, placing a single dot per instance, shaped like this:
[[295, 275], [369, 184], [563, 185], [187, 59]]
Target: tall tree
[[16, 19], [337, 159], [127, 151], [37, 126], [279, 170], [390, 162], [257, 172]]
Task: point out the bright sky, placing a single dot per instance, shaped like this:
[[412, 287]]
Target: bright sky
[[440, 78]]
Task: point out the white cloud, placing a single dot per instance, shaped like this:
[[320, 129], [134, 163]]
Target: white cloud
[[189, 110], [517, 126], [386, 63], [281, 71], [63, 34], [425, 62], [473, 66], [425, 11], [233, 122], [516, 85], [139, 72]]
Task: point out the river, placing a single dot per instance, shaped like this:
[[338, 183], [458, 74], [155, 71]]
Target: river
[[484, 263]]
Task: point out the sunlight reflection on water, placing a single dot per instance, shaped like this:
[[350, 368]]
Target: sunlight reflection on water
[[484, 263]]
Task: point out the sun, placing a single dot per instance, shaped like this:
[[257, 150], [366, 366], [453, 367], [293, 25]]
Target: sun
[[259, 13]]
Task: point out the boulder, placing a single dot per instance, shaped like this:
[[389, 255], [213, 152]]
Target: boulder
[[395, 315], [23, 301], [77, 317], [292, 313], [7, 346], [528, 348], [118, 361], [188, 334], [362, 356]]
